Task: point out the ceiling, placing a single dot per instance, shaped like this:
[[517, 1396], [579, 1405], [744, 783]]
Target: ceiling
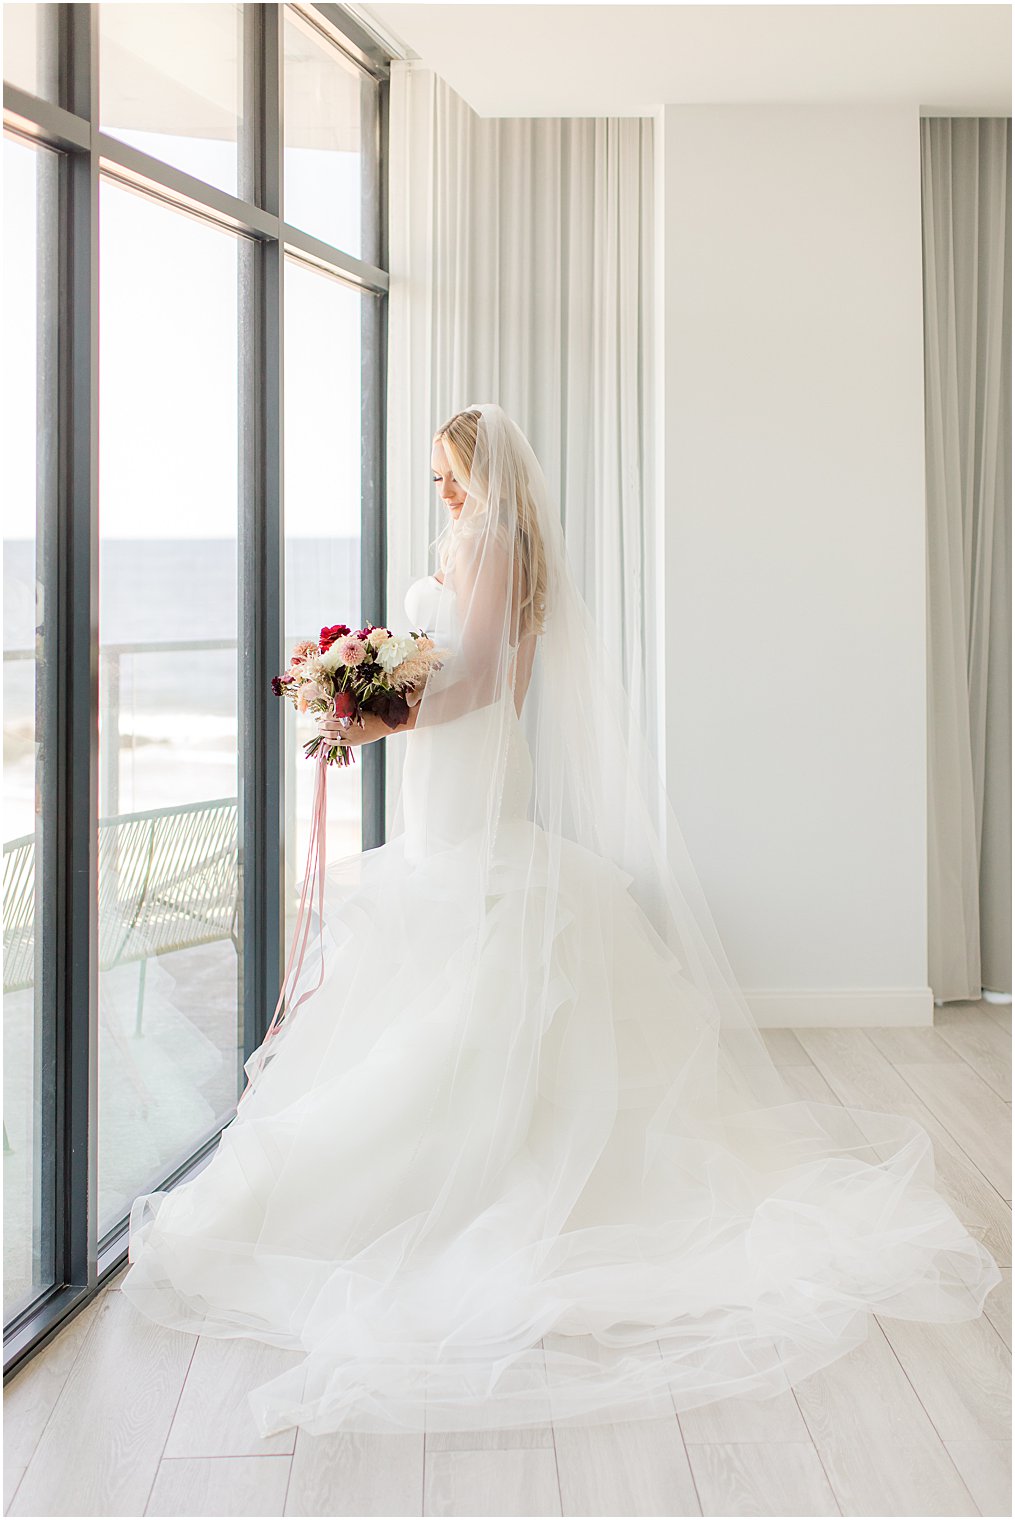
[[626, 60]]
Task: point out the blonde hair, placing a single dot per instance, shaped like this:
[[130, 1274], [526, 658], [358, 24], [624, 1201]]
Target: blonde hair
[[459, 436]]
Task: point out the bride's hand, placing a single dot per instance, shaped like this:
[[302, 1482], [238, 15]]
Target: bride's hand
[[335, 732]]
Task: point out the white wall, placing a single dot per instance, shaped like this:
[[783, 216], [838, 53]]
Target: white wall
[[792, 470]]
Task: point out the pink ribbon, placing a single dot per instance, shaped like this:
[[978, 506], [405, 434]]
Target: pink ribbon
[[316, 856]]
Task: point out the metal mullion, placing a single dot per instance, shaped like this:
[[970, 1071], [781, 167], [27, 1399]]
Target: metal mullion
[[373, 540], [78, 615], [261, 560], [345, 33], [46, 123], [185, 193], [69, 858], [132, 166], [31, 116], [47, 1136], [273, 611], [360, 271], [373, 560]]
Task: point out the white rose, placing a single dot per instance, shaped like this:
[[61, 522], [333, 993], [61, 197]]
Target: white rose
[[393, 651], [313, 667], [331, 659]]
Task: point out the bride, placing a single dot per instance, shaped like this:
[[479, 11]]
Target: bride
[[520, 1154]]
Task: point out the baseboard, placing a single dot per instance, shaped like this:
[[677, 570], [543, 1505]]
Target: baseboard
[[843, 1008]]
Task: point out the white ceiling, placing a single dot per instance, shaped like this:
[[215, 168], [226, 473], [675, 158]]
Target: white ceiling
[[625, 60]]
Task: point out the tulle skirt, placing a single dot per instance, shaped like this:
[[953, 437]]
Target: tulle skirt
[[484, 1181]]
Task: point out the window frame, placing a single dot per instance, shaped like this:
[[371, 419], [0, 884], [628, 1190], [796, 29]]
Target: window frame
[[83, 1261]]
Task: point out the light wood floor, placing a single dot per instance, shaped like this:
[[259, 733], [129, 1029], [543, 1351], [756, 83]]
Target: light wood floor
[[120, 1417]]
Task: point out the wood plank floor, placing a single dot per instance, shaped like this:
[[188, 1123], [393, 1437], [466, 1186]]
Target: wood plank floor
[[120, 1417]]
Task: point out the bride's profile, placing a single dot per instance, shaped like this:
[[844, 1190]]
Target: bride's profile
[[521, 1155]]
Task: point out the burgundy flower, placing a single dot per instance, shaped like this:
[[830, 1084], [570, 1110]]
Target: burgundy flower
[[391, 707], [329, 635], [345, 705]]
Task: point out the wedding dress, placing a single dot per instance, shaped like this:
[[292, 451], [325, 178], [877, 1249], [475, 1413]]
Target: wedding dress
[[522, 1155]]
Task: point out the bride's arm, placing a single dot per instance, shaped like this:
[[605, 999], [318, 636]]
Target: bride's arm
[[474, 675], [373, 728]]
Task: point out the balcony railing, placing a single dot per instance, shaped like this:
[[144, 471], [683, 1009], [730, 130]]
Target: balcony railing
[[111, 738]]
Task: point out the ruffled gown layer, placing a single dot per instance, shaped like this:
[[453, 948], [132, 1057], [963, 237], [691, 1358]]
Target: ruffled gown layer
[[490, 1176]]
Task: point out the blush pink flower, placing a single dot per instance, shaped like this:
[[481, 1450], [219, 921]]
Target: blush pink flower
[[310, 691], [352, 651], [412, 672], [303, 648]]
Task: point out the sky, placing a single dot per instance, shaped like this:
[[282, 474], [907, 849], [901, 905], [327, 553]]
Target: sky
[[168, 382]]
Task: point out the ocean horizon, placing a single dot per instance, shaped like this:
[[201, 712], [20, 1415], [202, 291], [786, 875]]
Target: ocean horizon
[[177, 716], [171, 589]]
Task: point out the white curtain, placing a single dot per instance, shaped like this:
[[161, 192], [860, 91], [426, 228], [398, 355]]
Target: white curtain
[[967, 350], [521, 272]]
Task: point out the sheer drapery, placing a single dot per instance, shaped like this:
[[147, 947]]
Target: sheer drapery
[[521, 268], [966, 166]]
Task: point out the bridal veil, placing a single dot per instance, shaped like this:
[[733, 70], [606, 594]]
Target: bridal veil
[[524, 1156]]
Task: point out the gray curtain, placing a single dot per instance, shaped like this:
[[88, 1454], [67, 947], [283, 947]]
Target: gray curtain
[[521, 272], [966, 175]]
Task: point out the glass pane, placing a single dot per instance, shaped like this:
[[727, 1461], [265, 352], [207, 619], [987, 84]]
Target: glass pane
[[169, 974], [330, 142], [323, 504], [31, 49], [31, 178], [171, 83]]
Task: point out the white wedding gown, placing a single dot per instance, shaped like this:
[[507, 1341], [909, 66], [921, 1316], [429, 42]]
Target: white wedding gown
[[538, 1220]]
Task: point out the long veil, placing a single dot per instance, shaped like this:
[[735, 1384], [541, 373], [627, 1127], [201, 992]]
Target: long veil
[[509, 592], [558, 1176]]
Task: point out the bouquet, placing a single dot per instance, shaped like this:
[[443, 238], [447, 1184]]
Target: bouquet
[[344, 674], [347, 674]]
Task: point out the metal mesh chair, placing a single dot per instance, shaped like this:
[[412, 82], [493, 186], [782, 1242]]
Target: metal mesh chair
[[19, 913], [168, 880]]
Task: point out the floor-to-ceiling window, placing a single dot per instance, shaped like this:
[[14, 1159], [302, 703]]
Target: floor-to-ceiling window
[[168, 982], [323, 514], [194, 289], [31, 177]]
